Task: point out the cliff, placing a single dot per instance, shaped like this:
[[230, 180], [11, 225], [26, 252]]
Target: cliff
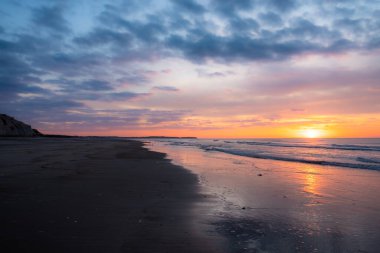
[[12, 127]]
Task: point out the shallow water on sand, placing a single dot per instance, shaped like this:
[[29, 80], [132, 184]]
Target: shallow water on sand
[[278, 206]]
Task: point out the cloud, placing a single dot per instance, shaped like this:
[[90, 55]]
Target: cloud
[[16, 76], [283, 5], [165, 88], [240, 48], [71, 64], [190, 6], [75, 121], [243, 25], [205, 73], [229, 7], [265, 36], [146, 31], [51, 18], [102, 36], [36, 109], [97, 85], [135, 77], [113, 56], [126, 95], [271, 18], [157, 117], [93, 89]]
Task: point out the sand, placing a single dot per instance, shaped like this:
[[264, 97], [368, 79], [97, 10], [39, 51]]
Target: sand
[[96, 195], [285, 207]]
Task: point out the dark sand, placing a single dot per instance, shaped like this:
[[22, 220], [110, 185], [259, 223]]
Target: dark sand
[[96, 195]]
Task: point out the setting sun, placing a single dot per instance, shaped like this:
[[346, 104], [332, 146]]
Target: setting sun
[[311, 133]]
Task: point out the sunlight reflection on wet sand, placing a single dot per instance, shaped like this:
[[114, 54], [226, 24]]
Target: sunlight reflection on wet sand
[[279, 206]]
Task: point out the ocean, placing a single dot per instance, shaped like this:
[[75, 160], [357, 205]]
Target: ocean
[[285, 195], [350, 153]]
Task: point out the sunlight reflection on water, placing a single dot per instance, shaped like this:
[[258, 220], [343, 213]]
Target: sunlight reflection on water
[[275, 206]]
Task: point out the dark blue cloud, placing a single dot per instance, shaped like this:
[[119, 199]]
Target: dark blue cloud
[[40, 104], [283, 5], [36, 109], [243, 25], [189, 5], [134, 78], [51, 18], [92, 90], [252, 38], [27, 44], [271, 18], [303, 29], [102, 36], [16, 75], [10, 88], [146, 31], [374, 43], [239, 47], [97, 85], [246, 38], [158, 33], [71, 64], [126, 95], [229, 7]]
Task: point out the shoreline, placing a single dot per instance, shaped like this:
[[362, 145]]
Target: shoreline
[[279, 206], [96, 195]]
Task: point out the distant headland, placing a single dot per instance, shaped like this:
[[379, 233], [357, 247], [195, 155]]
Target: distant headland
[[10, 127]]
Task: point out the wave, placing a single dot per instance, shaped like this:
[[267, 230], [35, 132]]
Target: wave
[[333, 146], [368, 160], [290, 159], [356, 147], [346, 159]]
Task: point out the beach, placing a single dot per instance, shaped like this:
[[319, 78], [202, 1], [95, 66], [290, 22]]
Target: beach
[[190, 126], [273, 205], [96, 195], [103, 194]]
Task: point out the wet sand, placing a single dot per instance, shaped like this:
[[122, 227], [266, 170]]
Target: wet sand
[[285, 207], [96, 195]]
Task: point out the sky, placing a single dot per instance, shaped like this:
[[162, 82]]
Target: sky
[[205, 68]]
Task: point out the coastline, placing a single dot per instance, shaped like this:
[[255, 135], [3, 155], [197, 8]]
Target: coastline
[[96, 195], [279, 206]]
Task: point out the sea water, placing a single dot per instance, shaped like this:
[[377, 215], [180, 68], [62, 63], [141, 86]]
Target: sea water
[[351, 153], [286, 195]]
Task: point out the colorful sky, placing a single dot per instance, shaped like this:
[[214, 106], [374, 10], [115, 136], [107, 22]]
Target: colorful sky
[[206, 68]]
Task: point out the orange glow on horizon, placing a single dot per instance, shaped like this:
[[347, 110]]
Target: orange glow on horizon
[[318, 126]]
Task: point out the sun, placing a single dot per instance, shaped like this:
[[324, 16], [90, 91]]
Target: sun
[[312, 133]]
